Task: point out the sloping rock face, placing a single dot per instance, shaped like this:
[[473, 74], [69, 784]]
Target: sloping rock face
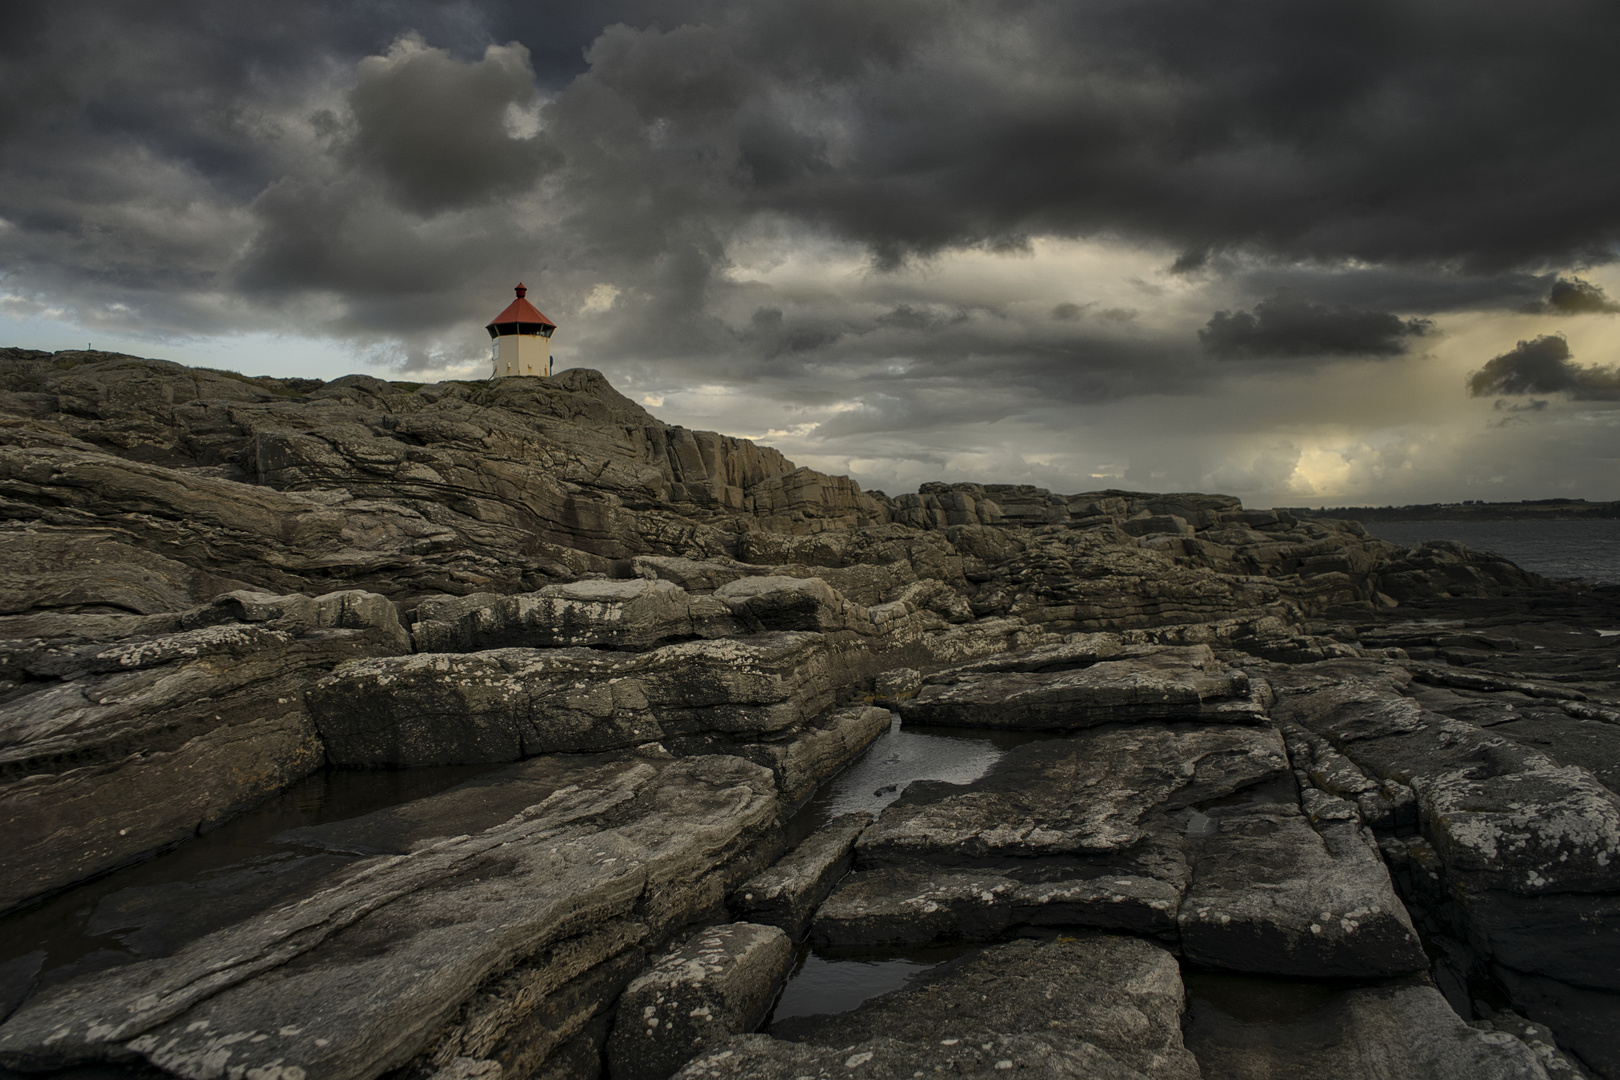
[[1251, 749], [495, 946], [1188, 833], [134, 737]]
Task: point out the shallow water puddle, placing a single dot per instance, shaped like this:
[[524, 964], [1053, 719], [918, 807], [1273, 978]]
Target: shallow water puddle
[[897, 757], [837, 980]]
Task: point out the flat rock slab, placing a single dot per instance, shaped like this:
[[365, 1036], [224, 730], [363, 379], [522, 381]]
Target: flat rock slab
[[1087, 794], [980, 1011], [981, 1055], [1140, 683], [1535, 830], [923, 904], [788, 894], [508, 704], [1273, 894], [634, 614], [459, 944], [720, 983], [1400, 1032]]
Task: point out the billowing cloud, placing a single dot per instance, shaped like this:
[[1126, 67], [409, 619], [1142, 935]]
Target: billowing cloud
[[1572, 296], [1288, 325], [1544, 365], [914, 236], [440, 132]]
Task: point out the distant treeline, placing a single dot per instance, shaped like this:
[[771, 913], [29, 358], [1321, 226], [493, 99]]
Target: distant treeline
[[1470, 510]]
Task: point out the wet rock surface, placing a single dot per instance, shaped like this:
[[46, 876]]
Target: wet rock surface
[[1011, 1007], [1266, 749]]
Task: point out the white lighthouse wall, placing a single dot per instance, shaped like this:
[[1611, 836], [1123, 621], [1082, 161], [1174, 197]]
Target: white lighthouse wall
[[522, 354]]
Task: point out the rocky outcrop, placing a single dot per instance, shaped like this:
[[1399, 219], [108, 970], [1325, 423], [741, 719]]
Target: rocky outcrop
[[788, 894], [126, 734], [1088, 682], [497, 946], [1011, 1007], [1400, 1030], [718, 984], [508, 704], [1268, 749]]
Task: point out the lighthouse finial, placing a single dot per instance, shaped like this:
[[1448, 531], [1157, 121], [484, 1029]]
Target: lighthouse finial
[[521, 290]]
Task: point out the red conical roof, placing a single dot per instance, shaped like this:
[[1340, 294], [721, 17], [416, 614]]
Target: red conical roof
[[520, 311]]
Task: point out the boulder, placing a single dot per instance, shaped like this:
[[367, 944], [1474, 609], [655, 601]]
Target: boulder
[[1128, 1020], [1318, 1033], [635, 614], [1088, 794], [718, 983]]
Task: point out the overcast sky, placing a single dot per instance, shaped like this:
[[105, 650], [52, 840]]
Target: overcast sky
[[1302, 253]]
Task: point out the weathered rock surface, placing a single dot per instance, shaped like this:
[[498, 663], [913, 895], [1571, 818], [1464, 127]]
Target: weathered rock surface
[[1088, 794], [202, 578], [125, 734], [507, 704], [1013, 1006], [788, 894], [719, 983], [1118, 684], [500, 945], [1275, 893], [1403, 1030], [918, 904]]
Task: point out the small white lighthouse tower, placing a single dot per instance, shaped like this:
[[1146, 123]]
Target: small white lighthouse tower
[[520, 339]]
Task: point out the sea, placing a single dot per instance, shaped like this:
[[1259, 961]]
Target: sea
[[1587, 550]]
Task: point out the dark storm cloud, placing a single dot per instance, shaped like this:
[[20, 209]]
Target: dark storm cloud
[[1544, 365], [1418, 132], [438, 130], [1431, 289], [1572, 296], [390, 165], [1288, 325]]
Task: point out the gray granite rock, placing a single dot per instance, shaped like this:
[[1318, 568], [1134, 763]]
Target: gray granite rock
[[982, 1055], [1401, 1030], [506, 704], [787, 894], [1274, 893], [718, 983], [919, 904], [634, 614], [499, 945], [1086, 794], [132, 733], [1138, 683], [1130, 1009]]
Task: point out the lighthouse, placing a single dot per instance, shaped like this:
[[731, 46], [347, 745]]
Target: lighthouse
[[520, 339]]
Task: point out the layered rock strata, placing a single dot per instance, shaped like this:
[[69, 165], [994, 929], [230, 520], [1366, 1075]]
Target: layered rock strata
[[212, 585]]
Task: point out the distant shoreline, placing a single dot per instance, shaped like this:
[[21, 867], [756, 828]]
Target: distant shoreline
[[1528, 510]]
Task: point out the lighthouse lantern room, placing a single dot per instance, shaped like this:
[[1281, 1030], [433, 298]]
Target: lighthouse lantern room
[[520, 339]]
